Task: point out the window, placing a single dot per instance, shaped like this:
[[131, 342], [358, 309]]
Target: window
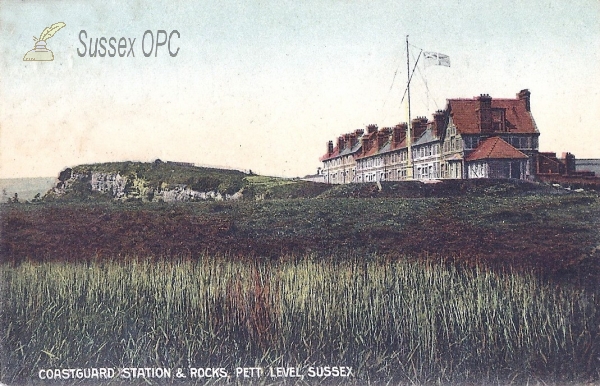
[[469, 142], [498, 120], [513, 141]]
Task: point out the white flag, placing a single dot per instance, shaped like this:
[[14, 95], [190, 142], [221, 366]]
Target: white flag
[[436, 59]]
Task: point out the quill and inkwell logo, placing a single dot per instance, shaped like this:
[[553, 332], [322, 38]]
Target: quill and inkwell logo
[[40, 52]]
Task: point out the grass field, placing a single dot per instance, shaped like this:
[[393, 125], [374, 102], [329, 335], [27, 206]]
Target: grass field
[[468, 289], [389, 320], [557, 234]]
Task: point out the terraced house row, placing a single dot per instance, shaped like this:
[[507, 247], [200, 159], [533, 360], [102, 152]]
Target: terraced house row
[[480, 137]]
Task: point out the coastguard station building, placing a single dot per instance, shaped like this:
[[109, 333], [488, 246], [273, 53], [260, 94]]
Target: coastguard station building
[[482, 137]]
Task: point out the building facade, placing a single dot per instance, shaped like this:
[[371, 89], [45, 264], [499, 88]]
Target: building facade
[[480, 137]]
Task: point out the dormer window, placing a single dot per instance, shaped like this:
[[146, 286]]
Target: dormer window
[[498, 119]]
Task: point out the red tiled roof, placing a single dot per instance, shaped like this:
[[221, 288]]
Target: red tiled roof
[[374, 149], [466, 118], [399, 145], [495, 148], [371, 152], [359, 154], [327, 156]]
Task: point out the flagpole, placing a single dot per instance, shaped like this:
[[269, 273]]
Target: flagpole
[[409, 167]]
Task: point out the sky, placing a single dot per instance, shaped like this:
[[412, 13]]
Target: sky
[[263, 85]]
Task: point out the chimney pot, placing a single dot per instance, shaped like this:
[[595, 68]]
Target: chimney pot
[[439, 119], [340, 143], [352, 140], [525, 95], [485, 113], [366, 144], [382, 137], [371, 129], [419, 125], [330, 148]]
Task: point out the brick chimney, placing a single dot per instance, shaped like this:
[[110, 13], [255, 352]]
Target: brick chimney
[[382, 137], [525, 95], [439, 119], [366, 143], [330, 148], [359, 132], [419, 125], [352, 140], [341, 144], [485, 113], [347, 141], [569, 161], [399, 133], [371, 129]]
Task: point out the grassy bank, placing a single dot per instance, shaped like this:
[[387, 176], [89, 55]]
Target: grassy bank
[[556, 234], [388, 320]]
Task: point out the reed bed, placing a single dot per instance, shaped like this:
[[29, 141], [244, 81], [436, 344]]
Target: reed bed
[[391, 320]]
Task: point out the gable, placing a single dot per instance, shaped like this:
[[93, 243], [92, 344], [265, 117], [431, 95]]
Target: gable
[[495, 148], [511, 112]]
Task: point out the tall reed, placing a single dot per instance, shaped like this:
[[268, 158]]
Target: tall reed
[[390, 320]]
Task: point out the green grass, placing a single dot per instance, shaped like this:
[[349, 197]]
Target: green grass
[[555, 234], [157, 176], [391, 320], [164, 175]]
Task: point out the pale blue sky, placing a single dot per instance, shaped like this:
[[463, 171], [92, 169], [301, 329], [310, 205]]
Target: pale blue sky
[[264, 85]]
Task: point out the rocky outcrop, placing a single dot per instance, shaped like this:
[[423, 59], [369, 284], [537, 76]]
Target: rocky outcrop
[[112, 184], [125, 188]]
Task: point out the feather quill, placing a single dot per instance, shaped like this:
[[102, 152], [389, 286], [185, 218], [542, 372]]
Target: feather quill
[[50, 31]]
